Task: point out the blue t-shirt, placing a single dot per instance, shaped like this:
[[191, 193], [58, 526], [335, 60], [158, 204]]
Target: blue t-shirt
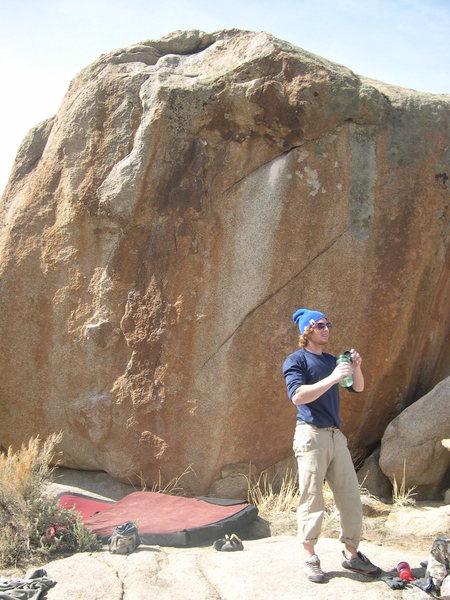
[[304, 367]]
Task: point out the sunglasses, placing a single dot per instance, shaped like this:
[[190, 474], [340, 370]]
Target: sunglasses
[[323, 325]]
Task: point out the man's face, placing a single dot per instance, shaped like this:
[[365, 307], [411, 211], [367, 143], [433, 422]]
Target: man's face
[[320, 336]]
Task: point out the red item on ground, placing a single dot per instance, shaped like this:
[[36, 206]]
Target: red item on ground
[[163, 519], [404, 571]]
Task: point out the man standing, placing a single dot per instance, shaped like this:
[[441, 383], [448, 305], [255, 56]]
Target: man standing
[[312, 379]]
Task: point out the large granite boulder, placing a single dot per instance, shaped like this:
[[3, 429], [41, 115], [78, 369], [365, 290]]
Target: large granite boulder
[[158, 233], [411, 447]]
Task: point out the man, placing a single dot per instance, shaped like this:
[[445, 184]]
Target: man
[[312, 379]]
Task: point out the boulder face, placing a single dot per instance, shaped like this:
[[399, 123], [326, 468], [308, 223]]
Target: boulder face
[[411, 448], [158, 233]]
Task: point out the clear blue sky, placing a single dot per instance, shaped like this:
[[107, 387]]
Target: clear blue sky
[[44, 43]]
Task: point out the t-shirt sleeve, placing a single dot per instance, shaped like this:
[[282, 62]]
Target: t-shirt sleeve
[[294, 371]]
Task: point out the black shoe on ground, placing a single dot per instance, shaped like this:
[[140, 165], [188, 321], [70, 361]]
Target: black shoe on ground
[[360, 564], [229, 543], [232, 544]]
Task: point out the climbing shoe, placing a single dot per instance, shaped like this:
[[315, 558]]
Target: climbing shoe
[[228, 543], [360, 564]]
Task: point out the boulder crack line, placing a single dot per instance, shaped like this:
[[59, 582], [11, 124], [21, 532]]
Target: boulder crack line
[[215, 591], [271, 295], [256, 169]]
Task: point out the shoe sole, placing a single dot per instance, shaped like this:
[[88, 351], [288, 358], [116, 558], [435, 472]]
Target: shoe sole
[[318, 580], [377, 571]]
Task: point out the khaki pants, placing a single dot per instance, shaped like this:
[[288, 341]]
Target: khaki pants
[[322, 454]]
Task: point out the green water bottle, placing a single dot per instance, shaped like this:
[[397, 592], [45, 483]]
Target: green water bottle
[[346, 381]]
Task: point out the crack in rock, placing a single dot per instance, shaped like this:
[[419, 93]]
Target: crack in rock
[[272, 295], [204, 576], [116, 573]]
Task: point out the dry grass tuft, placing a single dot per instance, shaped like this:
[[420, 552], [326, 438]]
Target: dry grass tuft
[[173, 487], [270, 503], [402, 496], [277, 504], [27, 512]]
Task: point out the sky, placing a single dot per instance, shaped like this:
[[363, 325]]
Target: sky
[[45, 43]]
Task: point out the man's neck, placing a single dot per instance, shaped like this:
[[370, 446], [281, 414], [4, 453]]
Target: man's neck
[[314, 348]]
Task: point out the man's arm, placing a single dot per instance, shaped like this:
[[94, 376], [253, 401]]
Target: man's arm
[[307, 393], [358, 377]]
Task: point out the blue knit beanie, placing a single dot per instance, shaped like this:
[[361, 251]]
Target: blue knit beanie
[[305, 318]]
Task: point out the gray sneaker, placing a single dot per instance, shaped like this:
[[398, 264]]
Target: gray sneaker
[[313, 570], [360, 564]]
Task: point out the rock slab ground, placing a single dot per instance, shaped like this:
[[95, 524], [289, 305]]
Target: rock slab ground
[[268, 568]]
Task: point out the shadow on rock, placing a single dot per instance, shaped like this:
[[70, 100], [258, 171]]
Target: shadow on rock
[[257, 529]]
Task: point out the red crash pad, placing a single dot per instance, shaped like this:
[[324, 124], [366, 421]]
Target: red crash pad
[[85, 505], [162, 519]]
